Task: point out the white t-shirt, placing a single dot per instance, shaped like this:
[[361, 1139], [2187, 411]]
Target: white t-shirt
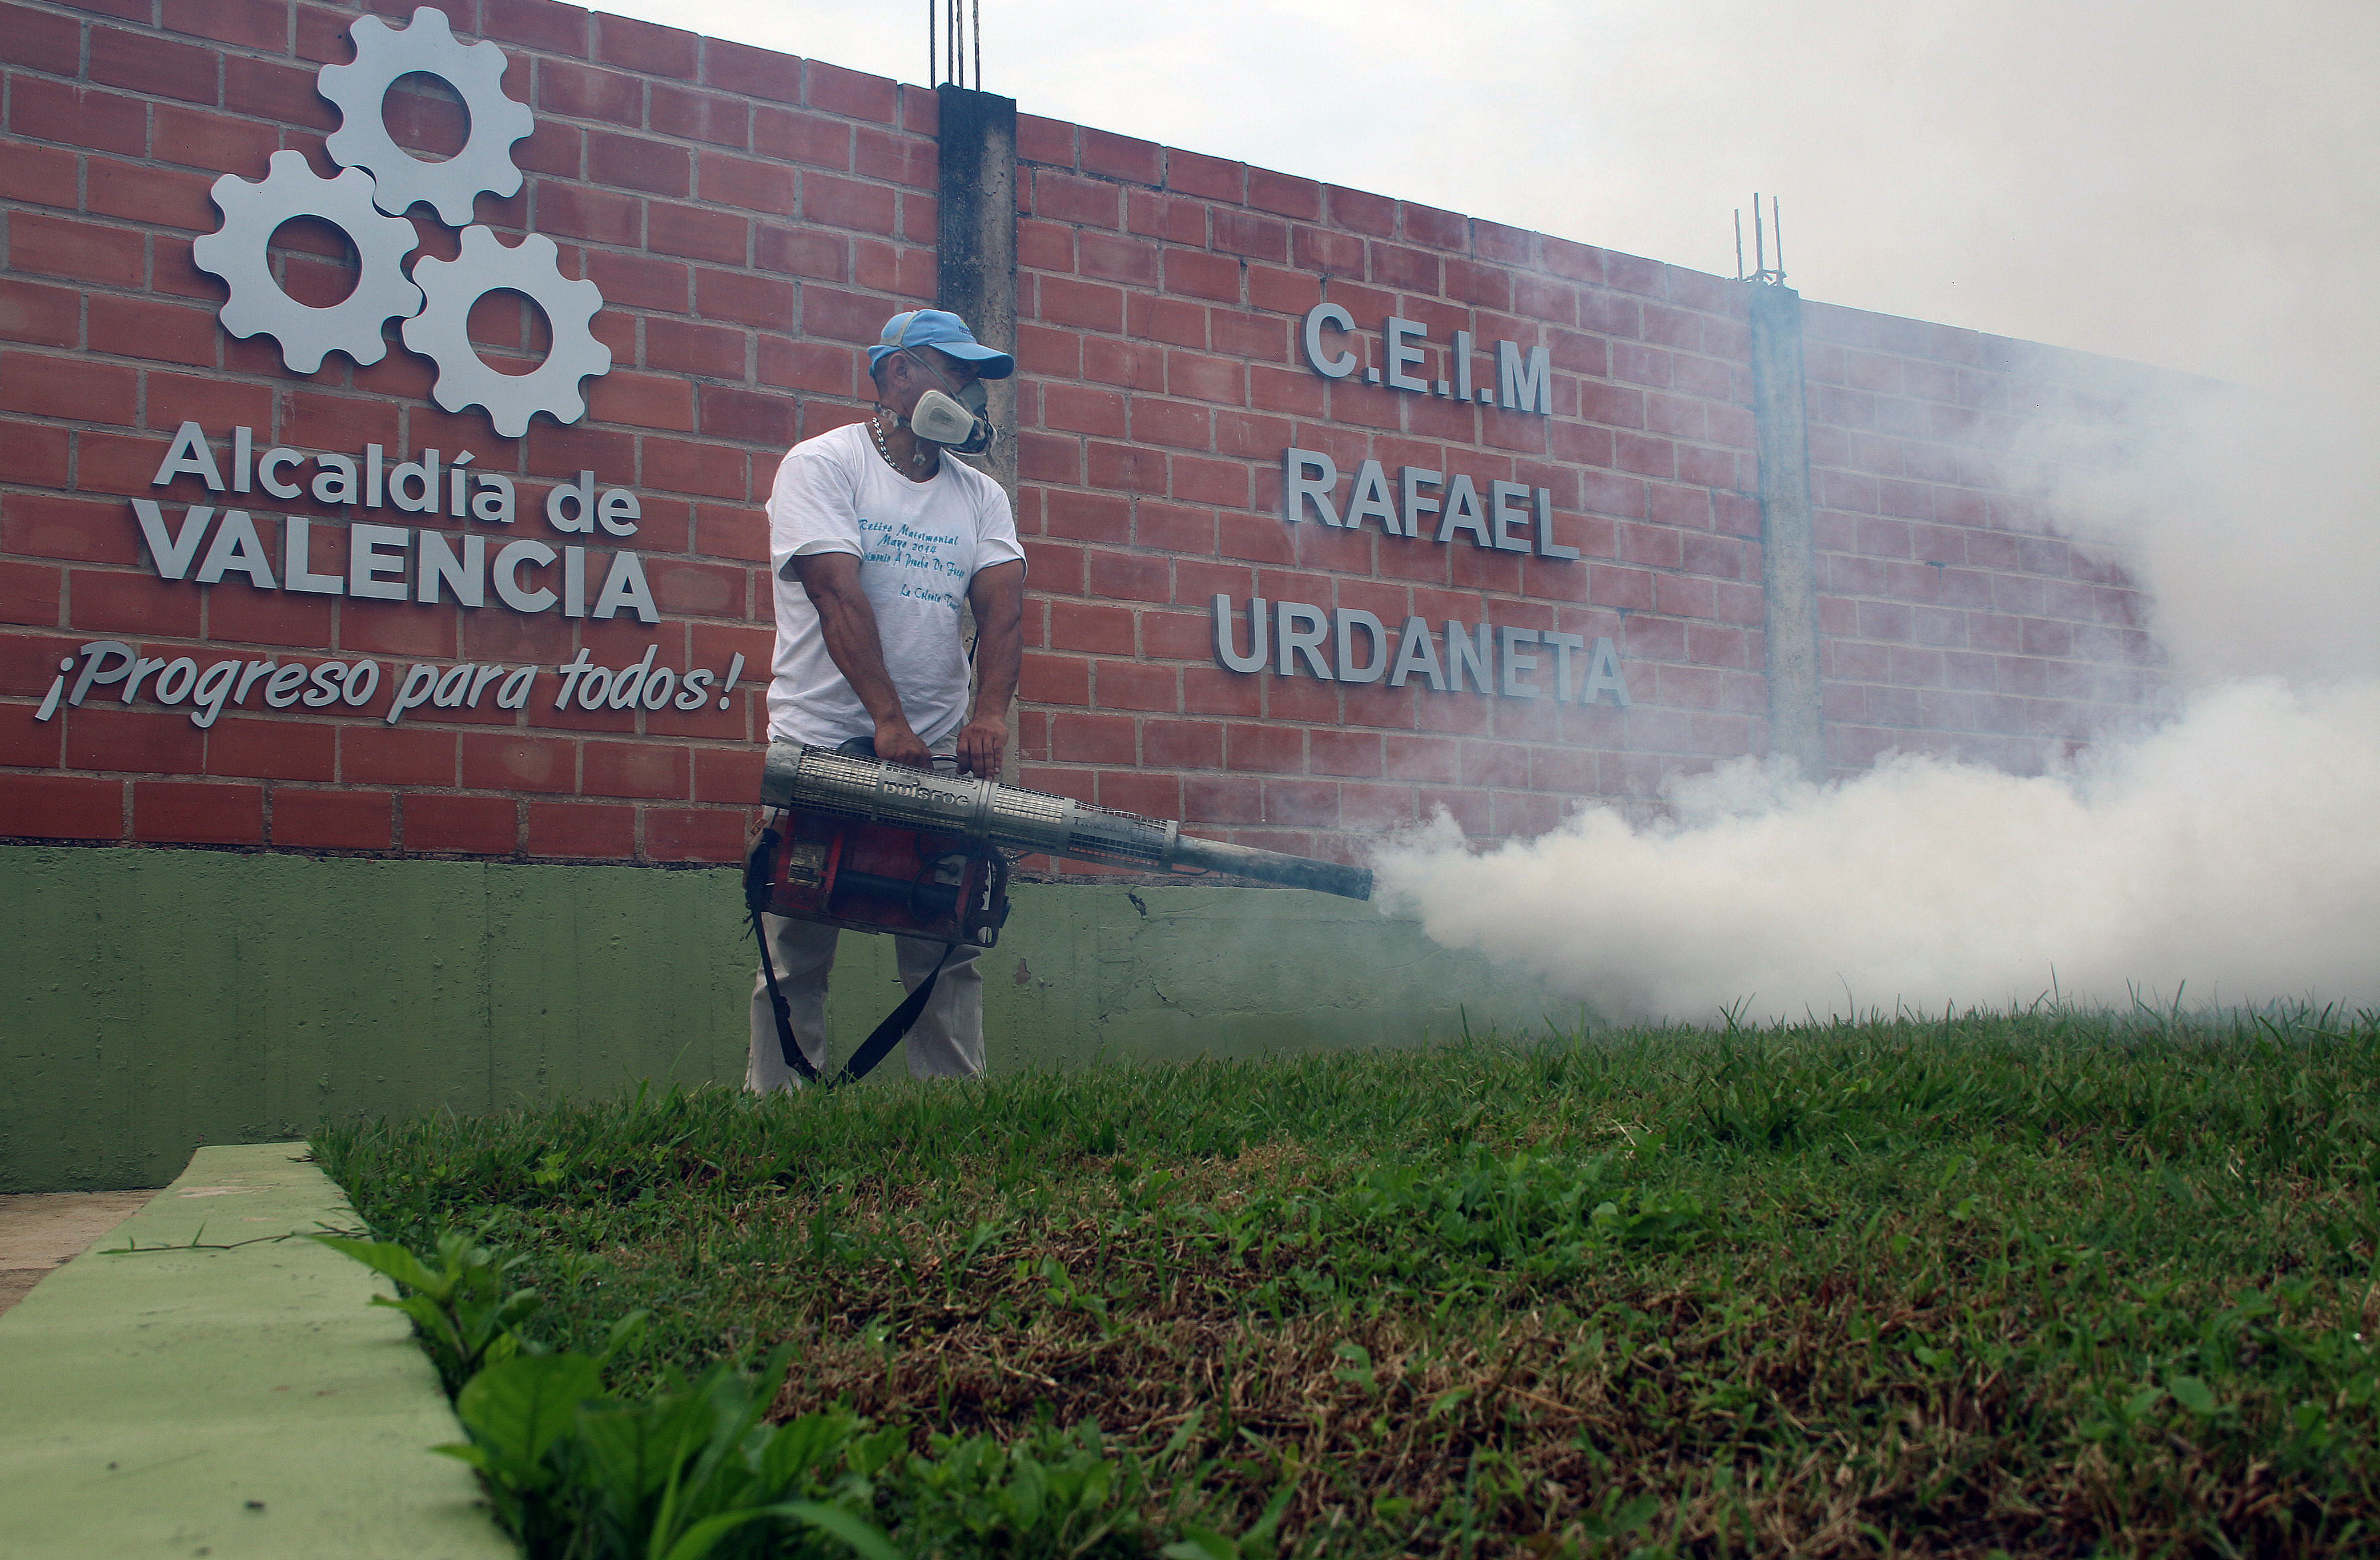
[[919, 544]]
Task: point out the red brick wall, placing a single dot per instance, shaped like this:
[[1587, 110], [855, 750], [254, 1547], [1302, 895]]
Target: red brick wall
[[751, 219], [1955, 620], [1162, 292], [665, 165]]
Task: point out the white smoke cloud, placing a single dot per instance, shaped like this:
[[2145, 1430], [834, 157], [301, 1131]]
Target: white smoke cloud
[[2230, 855]]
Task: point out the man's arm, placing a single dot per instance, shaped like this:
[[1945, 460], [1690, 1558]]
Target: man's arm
[[997, 595], [847, 623]]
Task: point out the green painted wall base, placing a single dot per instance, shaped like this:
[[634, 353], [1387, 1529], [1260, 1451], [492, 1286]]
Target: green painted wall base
[[154, 1000], [248, 1403]]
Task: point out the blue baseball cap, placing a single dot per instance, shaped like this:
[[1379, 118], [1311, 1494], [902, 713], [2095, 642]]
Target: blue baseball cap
[[943, 330]]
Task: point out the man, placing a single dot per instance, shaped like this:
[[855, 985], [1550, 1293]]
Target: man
[[876, 534]]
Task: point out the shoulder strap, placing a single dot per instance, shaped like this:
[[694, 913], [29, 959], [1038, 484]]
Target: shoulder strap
[[758, 870], [897, 1022]]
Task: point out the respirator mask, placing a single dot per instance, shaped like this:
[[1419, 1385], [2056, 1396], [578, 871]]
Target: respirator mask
[[958, 422]]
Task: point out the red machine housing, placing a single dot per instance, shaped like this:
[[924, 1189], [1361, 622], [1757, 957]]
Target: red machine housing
[[880, 877]]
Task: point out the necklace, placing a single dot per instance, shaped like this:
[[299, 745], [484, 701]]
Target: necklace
[[877, 431]]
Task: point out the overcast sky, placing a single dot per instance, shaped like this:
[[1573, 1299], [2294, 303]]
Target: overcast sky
[[2183, 182]]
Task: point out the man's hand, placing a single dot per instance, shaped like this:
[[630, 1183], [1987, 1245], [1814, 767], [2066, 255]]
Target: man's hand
[[897, 744], [982, 742]]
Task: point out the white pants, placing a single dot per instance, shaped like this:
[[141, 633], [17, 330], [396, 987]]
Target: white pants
[[946, 1041]]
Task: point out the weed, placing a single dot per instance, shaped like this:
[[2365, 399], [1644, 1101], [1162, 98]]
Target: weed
[[2047, 1283]]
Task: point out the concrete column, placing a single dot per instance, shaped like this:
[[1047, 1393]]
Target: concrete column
[[1796, 726], [977, 242]]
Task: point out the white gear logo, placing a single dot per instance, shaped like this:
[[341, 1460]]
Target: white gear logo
[[476, 71], [380, 176], [258, 306], [439, 332]]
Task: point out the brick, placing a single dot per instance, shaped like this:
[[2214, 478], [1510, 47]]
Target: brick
[[1182, 745], [155, 65], [1355, 753], [60, 807], [583, 92], [1130, 576], [705, 116], [1067, 198], [1210, 177], [128, 603], [700, 469], [1194, 480], [802, 138], [43, 40], [1148, 794], [646, 47], [68, 246], [385, 755], [104, 734], [271, 91], [540, 24], [1244, 233], [1225, 799], [1312, 803], [258, 24], [743, 181], [332, 820], [1284, 194], [519, 762], [1273, 750], [264, 748], [1092, 739], [709, 350], [172, 812], [763, 301], [616, 769], [654, 166], [1083, 409], [695, 833], [847, 204], [160, 331], [1171, 423], [897, 159], [1122, 157], [642, 400], [56, 526], [240, 616], [1055, 679], [83, 116], [909, 272], [567, 828], [800, 365], [1084, 625], [472, 824], [1196, 273], [31, 593], [805, 251], [42, 176], [1045, 140], [1088, 305], [848, 93], [1113, 258]]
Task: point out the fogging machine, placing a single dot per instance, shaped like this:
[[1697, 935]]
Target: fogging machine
[[859, 843]]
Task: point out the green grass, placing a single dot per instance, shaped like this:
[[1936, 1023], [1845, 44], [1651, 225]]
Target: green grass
[[2050, 1283]]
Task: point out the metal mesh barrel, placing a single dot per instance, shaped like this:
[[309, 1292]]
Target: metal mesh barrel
[[820, 779]]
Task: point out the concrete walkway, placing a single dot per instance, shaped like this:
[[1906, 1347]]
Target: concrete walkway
[[42, 1231], [231, 1403]]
